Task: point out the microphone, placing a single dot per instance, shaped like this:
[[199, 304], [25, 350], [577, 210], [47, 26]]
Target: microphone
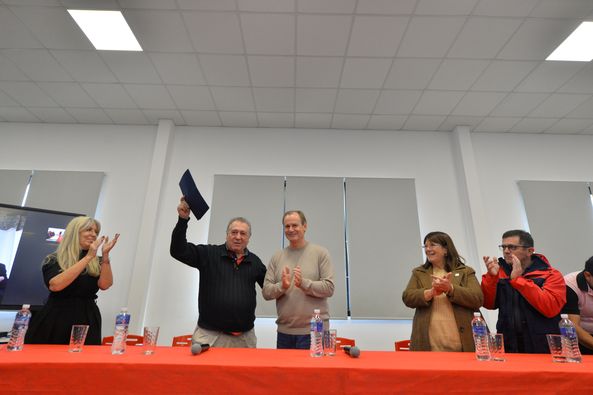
[[353, 351], [198, 348]]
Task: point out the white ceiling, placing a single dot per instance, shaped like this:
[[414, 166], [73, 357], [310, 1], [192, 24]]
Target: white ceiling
[[343, 64]]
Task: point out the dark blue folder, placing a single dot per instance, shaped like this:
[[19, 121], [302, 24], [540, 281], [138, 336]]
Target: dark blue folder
[[194, 199]]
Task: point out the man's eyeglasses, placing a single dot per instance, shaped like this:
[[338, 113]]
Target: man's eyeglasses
[[511, 247]]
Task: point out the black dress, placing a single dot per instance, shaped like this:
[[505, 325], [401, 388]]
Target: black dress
[[75, 304]]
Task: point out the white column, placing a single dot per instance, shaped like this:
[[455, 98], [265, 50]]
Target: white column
[[140, 278]]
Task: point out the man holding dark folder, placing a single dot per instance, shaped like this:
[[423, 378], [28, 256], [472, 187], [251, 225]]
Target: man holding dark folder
[[228, 274]]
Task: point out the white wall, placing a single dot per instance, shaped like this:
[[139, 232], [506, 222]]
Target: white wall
[[125, 154]]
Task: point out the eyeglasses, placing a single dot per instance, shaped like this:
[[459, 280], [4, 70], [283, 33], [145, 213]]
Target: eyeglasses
[[433, 245], [511, 247]]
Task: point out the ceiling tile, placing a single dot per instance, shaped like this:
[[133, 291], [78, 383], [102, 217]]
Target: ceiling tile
[[267, 5], [411, 73], [457, 74], [14, 33], [159, 30], [385, 7], [239, 119], [46, 3], [131, 67], [437, 102], [213, 5], [6, 101], [91, 4], [214, 32], [37, 64], [584, 110], [483, 38], [67, 94], [423, 122], [312, 121], [429, 36], [325, 35], [350, 121], [177, 68], [549, 76], [387, 122], [569, 126], [312, 72], [397, 102], [533, 125], [329, 6], [153, 97], [271, 71], [502, 75], [233, 99], [558, 105], [84, 66], [90, 115], [225, 70], [275, 120], [17, 114], [582, 82], [478, 103], [110, 95], [9, 72], [52, 115], [445, 7], [201, 118], [562, 9], [268, 34], [191, 97], [126, 117], [364, 73], [53, 27], [376, 35], [149, 4], [154, 116], [27, 94], [518, 104], [274, 99], [535, 39], [497, 124], [518, 8], [315, 100], [356, 101]]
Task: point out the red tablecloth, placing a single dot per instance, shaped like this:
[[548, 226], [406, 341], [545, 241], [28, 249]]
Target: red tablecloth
[[52, 369]]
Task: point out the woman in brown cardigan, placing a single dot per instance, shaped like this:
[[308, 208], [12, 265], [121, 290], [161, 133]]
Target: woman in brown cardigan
[[445, 293]]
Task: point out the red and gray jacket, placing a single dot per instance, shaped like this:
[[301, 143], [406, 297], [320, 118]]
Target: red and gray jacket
[[528, 306]]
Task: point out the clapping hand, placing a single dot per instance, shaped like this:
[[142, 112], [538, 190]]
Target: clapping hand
[[442, 284], [285, 277], [108, 245], [298, 277], [491, 265]]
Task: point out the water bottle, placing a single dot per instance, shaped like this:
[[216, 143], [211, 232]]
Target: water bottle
[[316, 334], [19, 328], [120, 335], [570, 342], [481, 337]]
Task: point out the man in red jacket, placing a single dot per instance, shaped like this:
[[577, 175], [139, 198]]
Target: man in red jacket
[[527, 291]]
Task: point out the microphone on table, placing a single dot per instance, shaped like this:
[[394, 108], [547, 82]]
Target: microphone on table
[[198, 348], [353, 351]]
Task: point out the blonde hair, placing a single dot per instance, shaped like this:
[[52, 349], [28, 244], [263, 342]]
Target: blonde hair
[[68, 252]]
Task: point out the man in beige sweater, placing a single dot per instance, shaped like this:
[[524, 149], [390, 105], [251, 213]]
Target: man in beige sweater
[[300, 278]]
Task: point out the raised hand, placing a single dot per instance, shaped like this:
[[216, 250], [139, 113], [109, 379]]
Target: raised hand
[[285, 277], [183, 208], [492, 265], [94, 247], [108, 245]]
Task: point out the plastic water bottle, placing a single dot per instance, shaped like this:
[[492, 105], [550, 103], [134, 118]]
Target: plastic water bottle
[[19, 328], [570, 342], [316, 334], [120, 335], [481, 337]]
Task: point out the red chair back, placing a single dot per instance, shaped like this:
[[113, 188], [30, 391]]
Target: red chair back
[[402, 345]]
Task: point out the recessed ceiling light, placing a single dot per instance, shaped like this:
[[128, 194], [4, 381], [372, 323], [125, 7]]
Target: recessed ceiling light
[[107, 30], [578, 47]]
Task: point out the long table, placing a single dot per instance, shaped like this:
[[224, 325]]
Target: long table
[[52, 369]]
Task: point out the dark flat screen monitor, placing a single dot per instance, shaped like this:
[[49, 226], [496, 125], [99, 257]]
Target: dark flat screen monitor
[[27, 236]]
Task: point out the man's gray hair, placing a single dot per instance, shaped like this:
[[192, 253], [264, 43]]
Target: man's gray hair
[[239, 219]]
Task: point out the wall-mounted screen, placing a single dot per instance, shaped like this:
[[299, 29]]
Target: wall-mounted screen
[[27, 236]]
